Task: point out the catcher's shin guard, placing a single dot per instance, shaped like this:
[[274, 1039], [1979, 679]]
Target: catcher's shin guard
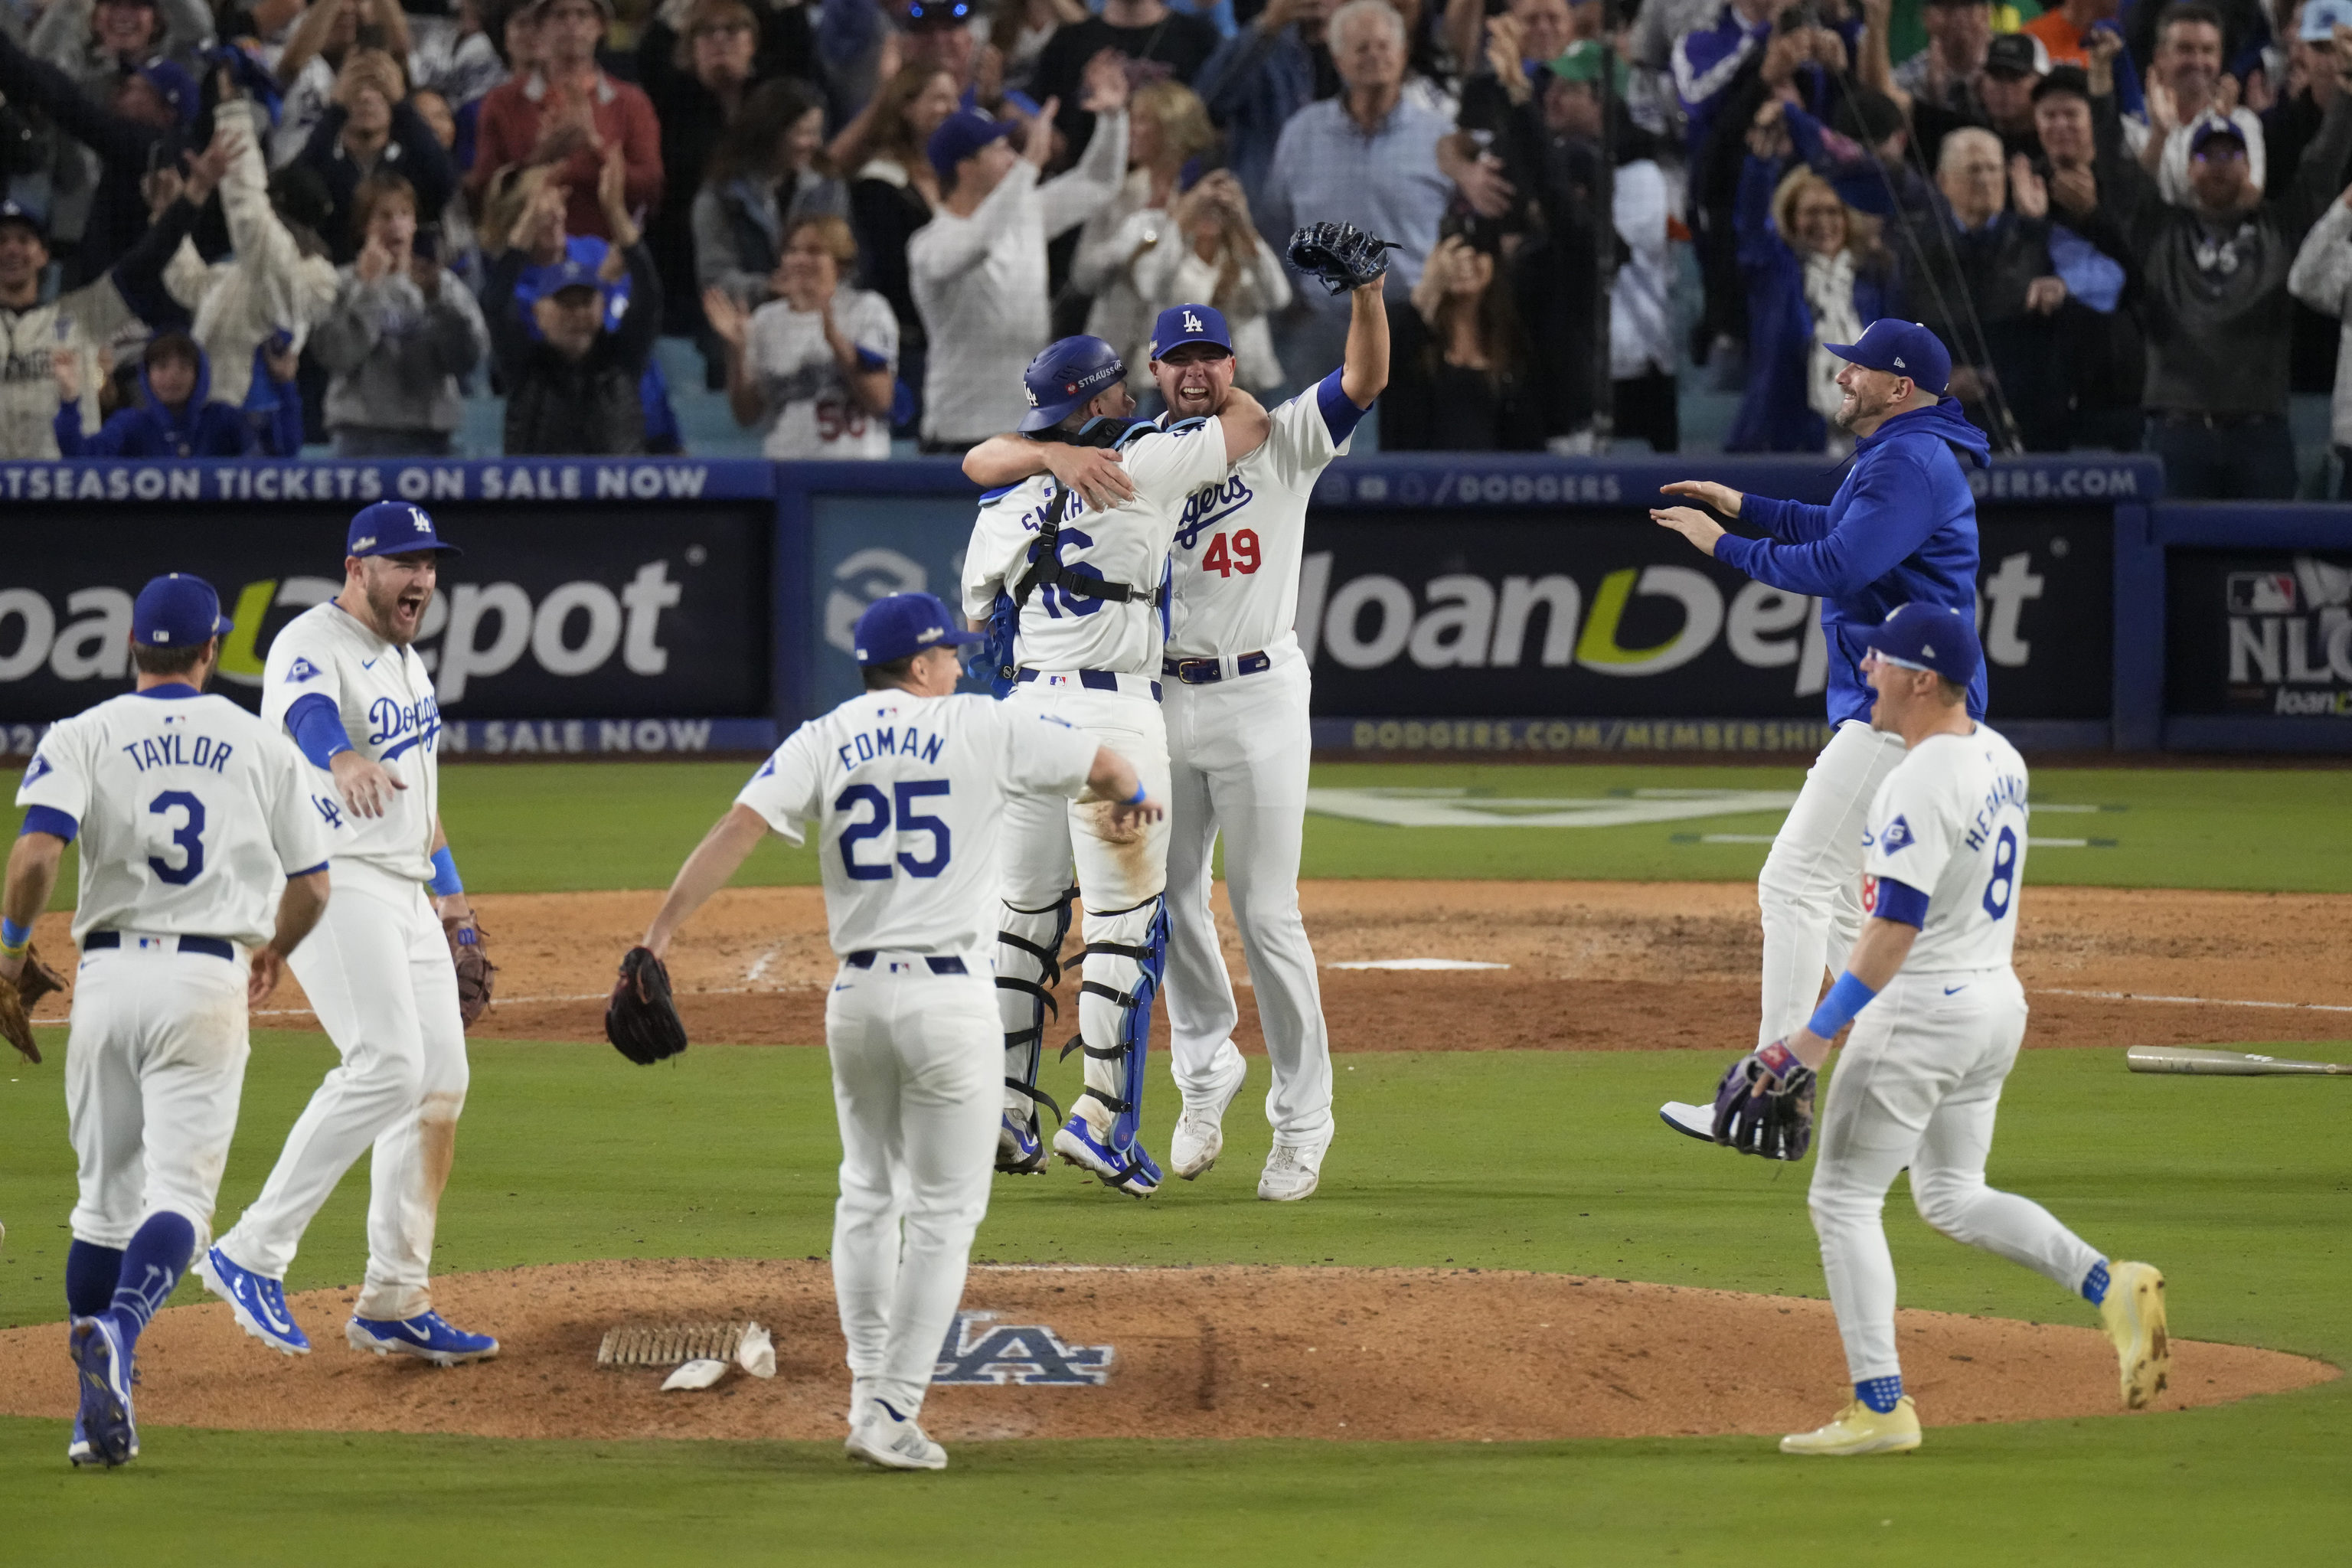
[[1127, 955], [1028, 964]]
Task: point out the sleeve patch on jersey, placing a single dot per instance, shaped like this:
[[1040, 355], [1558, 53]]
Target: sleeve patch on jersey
[[39, 769], [1898, 836], [300, 670]]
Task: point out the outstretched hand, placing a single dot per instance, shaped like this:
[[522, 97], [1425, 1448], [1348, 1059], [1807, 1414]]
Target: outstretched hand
[[1701, 530], [1706, 492]]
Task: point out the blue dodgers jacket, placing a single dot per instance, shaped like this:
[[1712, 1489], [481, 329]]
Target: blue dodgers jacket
[[1901, 530]]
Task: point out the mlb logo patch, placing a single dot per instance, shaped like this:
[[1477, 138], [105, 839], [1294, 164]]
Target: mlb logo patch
[[1898, 836], [2262, 593], [300, 670]]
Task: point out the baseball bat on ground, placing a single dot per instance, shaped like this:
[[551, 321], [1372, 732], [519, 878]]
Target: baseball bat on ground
[[2225, 1064]]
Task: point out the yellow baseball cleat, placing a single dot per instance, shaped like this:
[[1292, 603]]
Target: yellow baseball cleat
[[1859, 1429], [2133, 1315]]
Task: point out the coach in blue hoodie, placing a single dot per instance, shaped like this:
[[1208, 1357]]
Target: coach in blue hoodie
[[173, 417], [1901, 530]]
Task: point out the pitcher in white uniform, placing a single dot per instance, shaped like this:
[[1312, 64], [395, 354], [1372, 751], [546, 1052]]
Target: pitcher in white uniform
[[1941, 1017], [1081, 621], [910, 787], [191, 816], [343, 681]]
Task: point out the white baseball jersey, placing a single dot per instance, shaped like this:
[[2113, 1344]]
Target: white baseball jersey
[[1950, 821], [389, 713], [908, 796], [1239, 539], [1127, 544], [190, 813], [807, 398]]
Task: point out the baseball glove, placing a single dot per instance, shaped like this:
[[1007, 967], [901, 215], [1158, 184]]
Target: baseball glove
[[641, 1020], [17, 1000], [469, 951], [1340, 254], [1765, 1105]]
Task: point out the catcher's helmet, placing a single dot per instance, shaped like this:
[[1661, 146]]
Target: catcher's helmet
[[1067, 376]]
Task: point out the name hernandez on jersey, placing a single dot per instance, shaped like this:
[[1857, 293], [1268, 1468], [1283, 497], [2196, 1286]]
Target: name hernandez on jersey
[[384, 696], [908, 796], [190, 813], [1240, 542], [1130, 544], [1950, 821]]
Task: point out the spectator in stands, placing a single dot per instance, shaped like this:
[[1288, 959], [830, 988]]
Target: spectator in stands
[[1497, 151], [1258, 79], [454, 56], [977, 267], [174, 417], [766, 175], [2183, 86], [1168, 130], [2321, 279], [1019, 31], [2243, 24], [2306, 87], [1959, 32], [1144, 31], [566, 112], [572, 386], [2099, 343], [2000, 97], [1710, 59], [1459, 371], [369, 129], [812, 369], [1210, 251], [145, 126], [459, 248], [2064, 29], [891, 195], [1368, 157], [399, 336], [1980, 276], [327, 35], [697, 91], [785, 45], [1641, 310]]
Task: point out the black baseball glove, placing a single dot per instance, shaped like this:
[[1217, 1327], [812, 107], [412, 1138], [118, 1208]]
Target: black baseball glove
[[1765, 1105], [1340, 254], [641, 1020]]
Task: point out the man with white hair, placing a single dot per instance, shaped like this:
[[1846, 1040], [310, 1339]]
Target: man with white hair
[[1368, 157]]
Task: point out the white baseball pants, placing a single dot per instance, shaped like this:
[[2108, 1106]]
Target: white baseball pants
[[378, 973], [914, 1078], [1811, 890], [154, 1066], [1239, 750], [1917, 1085]]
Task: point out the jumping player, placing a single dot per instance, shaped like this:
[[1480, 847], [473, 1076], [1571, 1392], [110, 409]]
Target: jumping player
[[1084, 622], [910, 787], [1901, 530], [343, 679], [190, 815], [1941, 1017], [1238, 736]]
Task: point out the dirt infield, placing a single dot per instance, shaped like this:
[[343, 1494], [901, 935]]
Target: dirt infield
[[1593, 965], [1376, 1354]]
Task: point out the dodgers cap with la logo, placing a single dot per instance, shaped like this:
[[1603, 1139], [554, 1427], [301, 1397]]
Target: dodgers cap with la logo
[[1901, 348], [1182, 324], [395, 528]]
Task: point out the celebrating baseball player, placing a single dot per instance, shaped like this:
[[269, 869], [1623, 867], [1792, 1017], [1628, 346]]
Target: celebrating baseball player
[[190, 815], [1901, 530], [386, 971], [1941, 1015], [1077, 598], [1238, 736], [912, 789]]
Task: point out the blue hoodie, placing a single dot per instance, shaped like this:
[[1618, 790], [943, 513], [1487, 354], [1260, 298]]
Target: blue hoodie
[[1901, 530], [200, 429]]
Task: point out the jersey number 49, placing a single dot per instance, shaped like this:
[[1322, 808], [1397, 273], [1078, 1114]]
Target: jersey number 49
[[1243, 557]]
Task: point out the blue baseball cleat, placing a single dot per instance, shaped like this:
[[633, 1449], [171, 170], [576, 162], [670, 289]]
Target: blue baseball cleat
[[105, 1433], [1128, 1170], [425, 1336], [258, 1301], [1020, 1152]]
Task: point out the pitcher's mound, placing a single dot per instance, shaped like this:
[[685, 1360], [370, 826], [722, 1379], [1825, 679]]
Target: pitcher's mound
[[1390, 1354]]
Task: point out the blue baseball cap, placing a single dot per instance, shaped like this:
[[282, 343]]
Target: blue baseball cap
[[16, 212], [1182, 324], [905, 625], [177, 611], [961, 134], [1070, 374], [1901, 348], [176, 86], [1929, 637], [569, 273], [2212, 127], [393, 528]]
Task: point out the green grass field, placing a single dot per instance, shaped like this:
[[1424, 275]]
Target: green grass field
[[2240, 1189]]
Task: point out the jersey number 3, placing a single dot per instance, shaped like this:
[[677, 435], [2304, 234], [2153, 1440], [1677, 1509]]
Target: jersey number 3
[[910, 793], [188, 836], [1243, 557]]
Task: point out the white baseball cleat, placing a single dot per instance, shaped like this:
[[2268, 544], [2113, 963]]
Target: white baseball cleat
[[1292, 1171], [880, 1435], [2132, 1316], [1200, 1135], [1858, 1430]]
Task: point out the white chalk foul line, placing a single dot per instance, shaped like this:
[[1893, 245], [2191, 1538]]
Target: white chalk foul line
[[2195, 1001], [580, 997]]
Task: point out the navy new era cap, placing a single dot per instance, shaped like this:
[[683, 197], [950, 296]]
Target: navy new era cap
[[177, 611], [1182, 324], [905, 625], [393, 528], [1901, 348], [961, 135], [17, 213], [1929, 637]]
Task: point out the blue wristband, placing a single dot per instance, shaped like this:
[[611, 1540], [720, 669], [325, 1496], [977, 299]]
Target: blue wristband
[[1137, 798], [1846, 998], [12, 935], [444, 874]]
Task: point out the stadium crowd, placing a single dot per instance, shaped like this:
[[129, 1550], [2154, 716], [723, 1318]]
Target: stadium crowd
[[259, 224]]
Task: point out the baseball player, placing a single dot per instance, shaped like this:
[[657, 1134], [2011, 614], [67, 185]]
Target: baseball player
[[1902, 529], [191, 816], [1941, 1015], [911, 788], [1082, 617], [1238, 736], [343, 681]]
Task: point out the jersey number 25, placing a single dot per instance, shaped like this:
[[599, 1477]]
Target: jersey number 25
[[910, 793]]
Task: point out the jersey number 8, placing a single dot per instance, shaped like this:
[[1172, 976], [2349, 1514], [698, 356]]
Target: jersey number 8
[[910, 793], [2003, 886]]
